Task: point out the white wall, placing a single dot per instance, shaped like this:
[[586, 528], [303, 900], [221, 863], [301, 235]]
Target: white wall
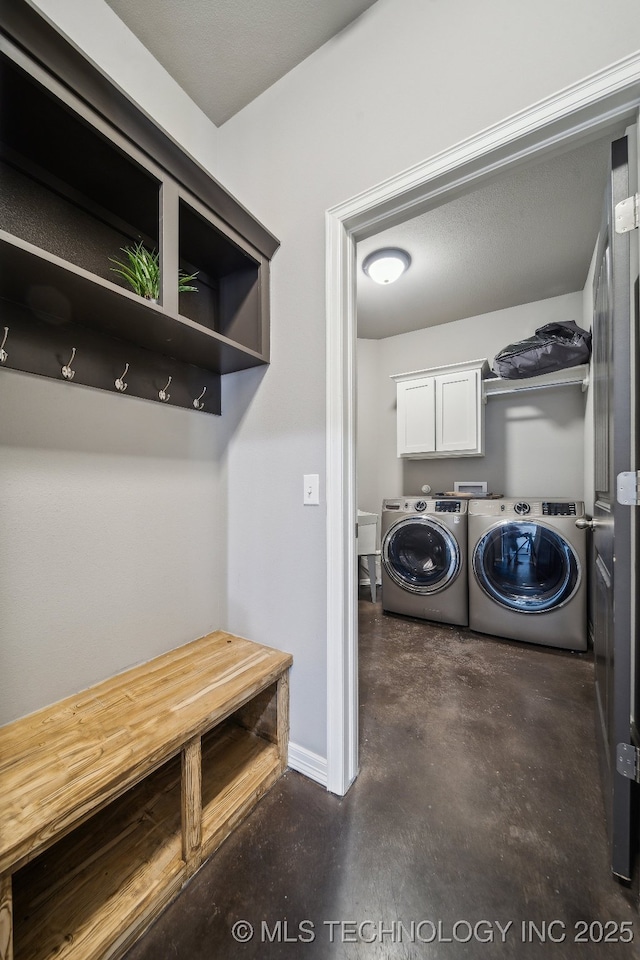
[[113, 536], [368, 405], [406, 80], [534, 442]]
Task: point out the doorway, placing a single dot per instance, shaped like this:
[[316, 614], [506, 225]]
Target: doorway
[[585, 111]]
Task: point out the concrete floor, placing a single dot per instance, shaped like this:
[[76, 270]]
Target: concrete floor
[[478, 808]]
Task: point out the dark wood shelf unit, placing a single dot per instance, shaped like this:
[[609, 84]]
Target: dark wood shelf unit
[[84, 173], [67, 294]]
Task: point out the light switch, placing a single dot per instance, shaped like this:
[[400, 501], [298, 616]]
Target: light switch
[[311, 489]]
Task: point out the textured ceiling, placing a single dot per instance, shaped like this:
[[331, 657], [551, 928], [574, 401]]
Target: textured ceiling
[[224, 53], [525, 236]]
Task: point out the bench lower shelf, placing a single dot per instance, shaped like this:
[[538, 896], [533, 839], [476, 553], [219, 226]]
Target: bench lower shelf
[[90, 894]]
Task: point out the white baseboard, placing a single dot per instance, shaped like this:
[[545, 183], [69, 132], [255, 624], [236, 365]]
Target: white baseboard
[[308, 763]]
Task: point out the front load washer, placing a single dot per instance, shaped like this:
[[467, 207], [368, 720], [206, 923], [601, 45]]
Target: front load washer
[[527, 575], [424, 559]]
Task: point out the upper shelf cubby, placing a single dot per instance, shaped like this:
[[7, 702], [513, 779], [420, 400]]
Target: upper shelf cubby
[[83, 174], [64, 186], [228, 280]]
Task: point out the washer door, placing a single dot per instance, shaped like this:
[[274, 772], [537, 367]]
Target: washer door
[[527, 567], [420, 555]]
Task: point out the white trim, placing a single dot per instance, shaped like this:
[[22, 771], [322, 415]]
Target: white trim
[[577, 111], [307, 762], [342, 669], [481, 365], [572, 115]]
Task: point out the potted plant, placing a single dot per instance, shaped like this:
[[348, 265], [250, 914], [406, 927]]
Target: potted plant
[[141, 270]]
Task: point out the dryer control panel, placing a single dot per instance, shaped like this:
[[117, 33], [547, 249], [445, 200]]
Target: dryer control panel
[[558, 509], [526, 509]]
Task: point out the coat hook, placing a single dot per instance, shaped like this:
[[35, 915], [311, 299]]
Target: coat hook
[[197, 404], [120, 384], [3, 353], [67, 372], [162, 394]]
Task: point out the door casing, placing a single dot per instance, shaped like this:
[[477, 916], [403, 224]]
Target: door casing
[[579, 113]]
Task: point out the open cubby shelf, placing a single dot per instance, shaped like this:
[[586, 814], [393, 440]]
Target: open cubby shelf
[[83, 174], [228, 280], [105, 818], [99, 880], [237, 767]]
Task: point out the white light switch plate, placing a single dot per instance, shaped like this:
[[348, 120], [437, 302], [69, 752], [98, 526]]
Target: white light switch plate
[[311, 489]]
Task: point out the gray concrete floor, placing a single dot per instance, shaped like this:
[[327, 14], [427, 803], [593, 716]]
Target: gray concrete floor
[[478, 809]]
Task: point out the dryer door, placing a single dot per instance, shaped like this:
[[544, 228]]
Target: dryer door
[[420, 555], [526, 566]]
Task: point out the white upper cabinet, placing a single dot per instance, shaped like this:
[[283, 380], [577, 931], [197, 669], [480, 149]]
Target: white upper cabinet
[[416, 416], [440, 411]]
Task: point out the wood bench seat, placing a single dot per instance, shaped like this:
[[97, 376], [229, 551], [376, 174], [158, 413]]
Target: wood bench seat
[[111, 799]]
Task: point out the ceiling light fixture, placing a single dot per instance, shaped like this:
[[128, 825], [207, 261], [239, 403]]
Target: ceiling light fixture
[[386, 265]]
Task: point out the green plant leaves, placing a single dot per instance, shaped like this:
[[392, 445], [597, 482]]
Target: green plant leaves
[[184, 280], [141, 270]]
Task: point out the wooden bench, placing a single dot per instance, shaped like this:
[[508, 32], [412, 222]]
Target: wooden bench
[[111, 799]]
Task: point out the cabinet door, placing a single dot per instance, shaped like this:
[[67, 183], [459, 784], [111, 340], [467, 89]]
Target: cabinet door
[[457, 412], [416, 416]]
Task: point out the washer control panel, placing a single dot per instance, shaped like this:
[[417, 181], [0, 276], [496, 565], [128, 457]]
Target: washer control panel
[[447, 506], [426, 505]]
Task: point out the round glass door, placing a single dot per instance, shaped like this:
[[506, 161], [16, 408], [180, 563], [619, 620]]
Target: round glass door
[[420, 555], [526, 566]]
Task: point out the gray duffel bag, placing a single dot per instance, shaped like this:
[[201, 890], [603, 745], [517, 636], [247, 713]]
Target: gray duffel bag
[[553, 347]]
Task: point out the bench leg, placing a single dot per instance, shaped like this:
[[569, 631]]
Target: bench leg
[[6, 918], [282, 697], [192, 805]]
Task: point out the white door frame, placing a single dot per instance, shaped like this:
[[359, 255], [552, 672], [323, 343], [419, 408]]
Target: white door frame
[[577, 113]]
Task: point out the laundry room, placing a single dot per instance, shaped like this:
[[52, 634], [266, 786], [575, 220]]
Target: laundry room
[[484, 270], [487, 269], [435, 419], [485, 458]]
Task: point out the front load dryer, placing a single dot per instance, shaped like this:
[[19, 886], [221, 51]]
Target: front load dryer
[[527, 576], [424, 559]]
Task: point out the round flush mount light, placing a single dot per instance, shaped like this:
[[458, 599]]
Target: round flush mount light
[[385, 266]]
